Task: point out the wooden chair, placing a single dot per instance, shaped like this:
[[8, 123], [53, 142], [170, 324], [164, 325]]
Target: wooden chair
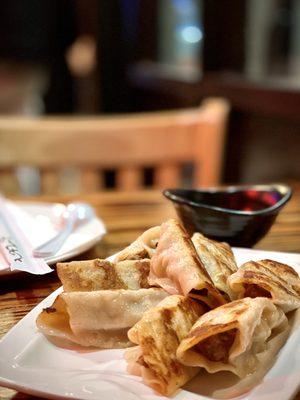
[[126, 143]]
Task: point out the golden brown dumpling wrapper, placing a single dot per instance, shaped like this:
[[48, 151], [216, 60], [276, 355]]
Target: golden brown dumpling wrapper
[[143, 247], [177, 268], [218, 260], [230, 337], [102, 274], [99, 318], [158, 335], [267, 278]]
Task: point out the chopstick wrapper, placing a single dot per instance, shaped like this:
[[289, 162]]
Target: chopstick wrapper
[[15, 247]]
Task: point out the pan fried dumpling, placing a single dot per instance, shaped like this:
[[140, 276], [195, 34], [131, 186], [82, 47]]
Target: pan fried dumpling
[[99, 318], [267, 278], [231, 337], [54, 322], [177, 268], [143, 247], [158, 335], [218, 260], [109, 309], [102, 274]]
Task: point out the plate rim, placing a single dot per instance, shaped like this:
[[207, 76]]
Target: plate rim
[[9, 383]]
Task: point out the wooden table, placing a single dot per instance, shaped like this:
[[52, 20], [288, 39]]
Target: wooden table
[[126, 215]]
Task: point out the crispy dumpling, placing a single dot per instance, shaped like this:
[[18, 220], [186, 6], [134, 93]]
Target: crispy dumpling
[[231, 337], [143, 247], [158, 335], [218, 260], [54, 322], [99, 318], [267, 278], [177, 268], [102, 274]]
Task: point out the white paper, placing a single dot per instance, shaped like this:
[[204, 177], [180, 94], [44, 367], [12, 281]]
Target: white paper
[[15, 247]]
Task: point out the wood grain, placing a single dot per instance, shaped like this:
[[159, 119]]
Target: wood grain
[[127, 144], [167, 175], [126, 215]]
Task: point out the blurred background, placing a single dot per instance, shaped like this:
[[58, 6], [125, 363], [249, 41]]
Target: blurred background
[[122, 56]]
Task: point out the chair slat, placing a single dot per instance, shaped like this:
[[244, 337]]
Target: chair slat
[[9, 184], [167, 175], [129, 178], [124, 143], [49, 181], [209, 144], [91, 180]]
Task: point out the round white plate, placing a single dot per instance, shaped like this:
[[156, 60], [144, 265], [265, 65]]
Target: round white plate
[[41, 221]]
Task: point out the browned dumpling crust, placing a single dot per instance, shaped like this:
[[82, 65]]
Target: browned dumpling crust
[[102, 275], [177, 268], [230, 337], [158, 335], [218, 260], [267, 278]]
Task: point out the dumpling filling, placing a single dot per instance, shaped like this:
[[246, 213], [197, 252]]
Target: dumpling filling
[[252, 290], [217, 347]]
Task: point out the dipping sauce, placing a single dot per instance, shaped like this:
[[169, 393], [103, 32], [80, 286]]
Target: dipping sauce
[[245, 200]]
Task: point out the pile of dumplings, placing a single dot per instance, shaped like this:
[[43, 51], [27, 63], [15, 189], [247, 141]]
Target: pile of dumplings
[[178, 302]]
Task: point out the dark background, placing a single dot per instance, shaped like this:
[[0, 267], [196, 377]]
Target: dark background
[[128, 74]]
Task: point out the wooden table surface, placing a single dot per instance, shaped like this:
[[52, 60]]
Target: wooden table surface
[[126, 215]]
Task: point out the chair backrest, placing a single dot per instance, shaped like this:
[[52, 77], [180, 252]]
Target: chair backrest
[[127, 144]]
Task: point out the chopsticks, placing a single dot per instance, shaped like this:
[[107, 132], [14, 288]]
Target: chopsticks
[[15, 247]]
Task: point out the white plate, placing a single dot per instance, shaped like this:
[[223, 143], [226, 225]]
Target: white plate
[[40, 222], [31, 364]]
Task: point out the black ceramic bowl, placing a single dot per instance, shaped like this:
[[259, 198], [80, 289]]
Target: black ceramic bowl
[[238, 215]]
